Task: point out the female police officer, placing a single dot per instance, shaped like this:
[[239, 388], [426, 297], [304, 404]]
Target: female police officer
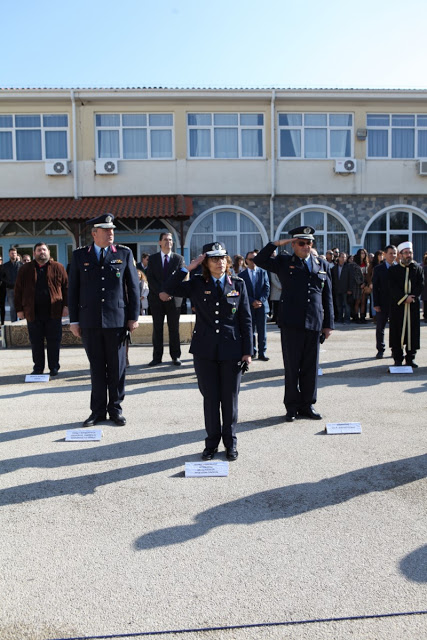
[[222, 341]]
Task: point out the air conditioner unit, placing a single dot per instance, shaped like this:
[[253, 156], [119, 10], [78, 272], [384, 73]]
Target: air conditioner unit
[[422, 167], [106, 167], [57, 168], [348, 165]]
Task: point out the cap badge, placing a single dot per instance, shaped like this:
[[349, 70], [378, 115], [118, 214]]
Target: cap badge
[[108, 219], [307, 230]]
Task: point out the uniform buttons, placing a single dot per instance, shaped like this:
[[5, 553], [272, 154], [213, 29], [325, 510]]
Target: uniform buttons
[[217, 312], [216, 321], [102, 278], [217, 304], [102, 289], [308, 299], [217, 331], [102, 267], [102, 300]]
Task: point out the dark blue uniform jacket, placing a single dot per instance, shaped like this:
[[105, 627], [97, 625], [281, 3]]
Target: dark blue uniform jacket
[[103, 296], [306, 300], [223, 328]]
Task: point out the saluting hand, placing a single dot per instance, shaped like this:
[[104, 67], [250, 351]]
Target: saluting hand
[[196, 261]]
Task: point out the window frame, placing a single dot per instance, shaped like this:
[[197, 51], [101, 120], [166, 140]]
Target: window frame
[[389, 128], [303, 127], [147, 127], [240, 127], [43, 130]]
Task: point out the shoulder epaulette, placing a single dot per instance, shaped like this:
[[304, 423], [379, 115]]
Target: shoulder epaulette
[[123, 246], [82, 247]]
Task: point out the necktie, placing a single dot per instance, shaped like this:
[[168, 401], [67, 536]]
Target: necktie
[[101, 257], [218, 289], [165, 268]]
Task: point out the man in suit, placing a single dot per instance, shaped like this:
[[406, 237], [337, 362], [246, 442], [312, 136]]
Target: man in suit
[[381, 295], [161, 265], [306, 312], [258, 287], [142, 266], [103, 300], [341, 288]]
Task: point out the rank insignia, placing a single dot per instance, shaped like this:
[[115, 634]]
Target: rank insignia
[[86, 264], [117, 274], [116, 262], [208, 292], [233, 294], [234, 309]]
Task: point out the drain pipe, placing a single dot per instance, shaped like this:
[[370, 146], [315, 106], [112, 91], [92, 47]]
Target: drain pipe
[[74, 121], [273, 161]]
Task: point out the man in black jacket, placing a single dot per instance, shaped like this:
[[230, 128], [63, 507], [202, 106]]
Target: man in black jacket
[[9, 273], [341, 288], [381, 295]]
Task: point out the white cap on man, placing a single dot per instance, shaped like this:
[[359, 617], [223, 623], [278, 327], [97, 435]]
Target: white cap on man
[[405, 245]]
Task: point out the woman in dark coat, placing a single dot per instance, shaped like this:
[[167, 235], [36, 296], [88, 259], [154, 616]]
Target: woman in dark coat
[[221, 343]]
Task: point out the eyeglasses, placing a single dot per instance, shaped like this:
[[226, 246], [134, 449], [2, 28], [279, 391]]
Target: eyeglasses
[[302, 243], [217, 258]]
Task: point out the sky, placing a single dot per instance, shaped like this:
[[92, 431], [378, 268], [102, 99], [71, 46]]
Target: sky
[[219, 44]]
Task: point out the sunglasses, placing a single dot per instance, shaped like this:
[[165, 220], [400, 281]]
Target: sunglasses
[[217, 258], [302, 243]]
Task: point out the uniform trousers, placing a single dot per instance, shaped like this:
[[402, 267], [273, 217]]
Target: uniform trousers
[[219, 384], [107, 358], [300, 349], [159, 310], [51, 329]]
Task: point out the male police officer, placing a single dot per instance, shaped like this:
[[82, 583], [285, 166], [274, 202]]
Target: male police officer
[[103, 300], [306, 310]]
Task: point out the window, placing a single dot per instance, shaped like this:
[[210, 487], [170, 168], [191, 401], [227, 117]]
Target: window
[[235, 229], [225, 135], [330, 232], [315, 135], [134, 136], [397, 136], [396, 226], [34, 137]]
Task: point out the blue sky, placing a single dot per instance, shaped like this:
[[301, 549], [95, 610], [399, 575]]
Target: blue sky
[[222, 43]]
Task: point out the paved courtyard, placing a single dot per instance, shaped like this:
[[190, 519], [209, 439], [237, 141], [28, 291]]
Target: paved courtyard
[[109, 539]]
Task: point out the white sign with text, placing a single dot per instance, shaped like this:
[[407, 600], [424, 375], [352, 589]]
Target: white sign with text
[[333, 428], [401, 370], [33, 377], [83, 435], [206, 469]]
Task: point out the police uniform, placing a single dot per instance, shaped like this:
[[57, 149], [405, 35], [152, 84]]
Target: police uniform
[[305, 308], [102, 297], [222, 335]]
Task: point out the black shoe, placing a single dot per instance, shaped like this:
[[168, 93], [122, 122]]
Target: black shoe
[[380, 354], [208, 454], [309, 412], [232, 453], [37, 372], [177, 362], [118, 418], [264, 358], [398, 363], [93, 420], [154, 362], [411, 363], [290, 415], [54, 372]]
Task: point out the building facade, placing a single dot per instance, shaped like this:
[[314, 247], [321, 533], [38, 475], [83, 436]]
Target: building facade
[[239, 166]]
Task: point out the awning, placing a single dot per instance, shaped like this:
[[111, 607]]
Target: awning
[[162, 207]]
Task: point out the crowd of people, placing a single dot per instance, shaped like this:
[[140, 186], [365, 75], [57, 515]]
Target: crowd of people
[[104, 292]]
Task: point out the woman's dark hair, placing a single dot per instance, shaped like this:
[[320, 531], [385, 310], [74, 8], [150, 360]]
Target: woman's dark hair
[[358, 257], [205, 269], [238, 261]]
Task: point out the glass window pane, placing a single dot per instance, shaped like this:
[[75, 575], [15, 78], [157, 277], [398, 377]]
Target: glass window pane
[[230, 243], [134, 120], [377, 120], [315, 119], [200, 119], [420, 243], [340, 144], [224, 119], [55, 121], [27, 121], [339, 240], [377, 143], [246, 224], [29, 145], [334, 224], [290, 119], [290, 143], [379, 224], [403, 143], [160, 119], [108, 120], [205, 225], [422, 121], [293, 222], [6, 150], [249, 242], [399, 219], [375, 242], [422, 144], [56, 145], [418, 224], [315, 143], [197, 242], [161, 143], [251, 119], [225, 221], [403, 121], [225, 143], [319, 244], [314, 219], [108, 144], [252, 143], [6, 121], [135, 144], [340, 119], [200, 143]]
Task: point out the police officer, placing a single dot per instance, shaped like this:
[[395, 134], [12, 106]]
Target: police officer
[[305, 312], [103, 301], [222, 341]]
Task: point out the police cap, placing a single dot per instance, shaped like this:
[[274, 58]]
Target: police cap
[[214, 249], [305, 233], [102, 222]]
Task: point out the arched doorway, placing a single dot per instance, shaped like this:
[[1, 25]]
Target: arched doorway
[[394, 225]]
